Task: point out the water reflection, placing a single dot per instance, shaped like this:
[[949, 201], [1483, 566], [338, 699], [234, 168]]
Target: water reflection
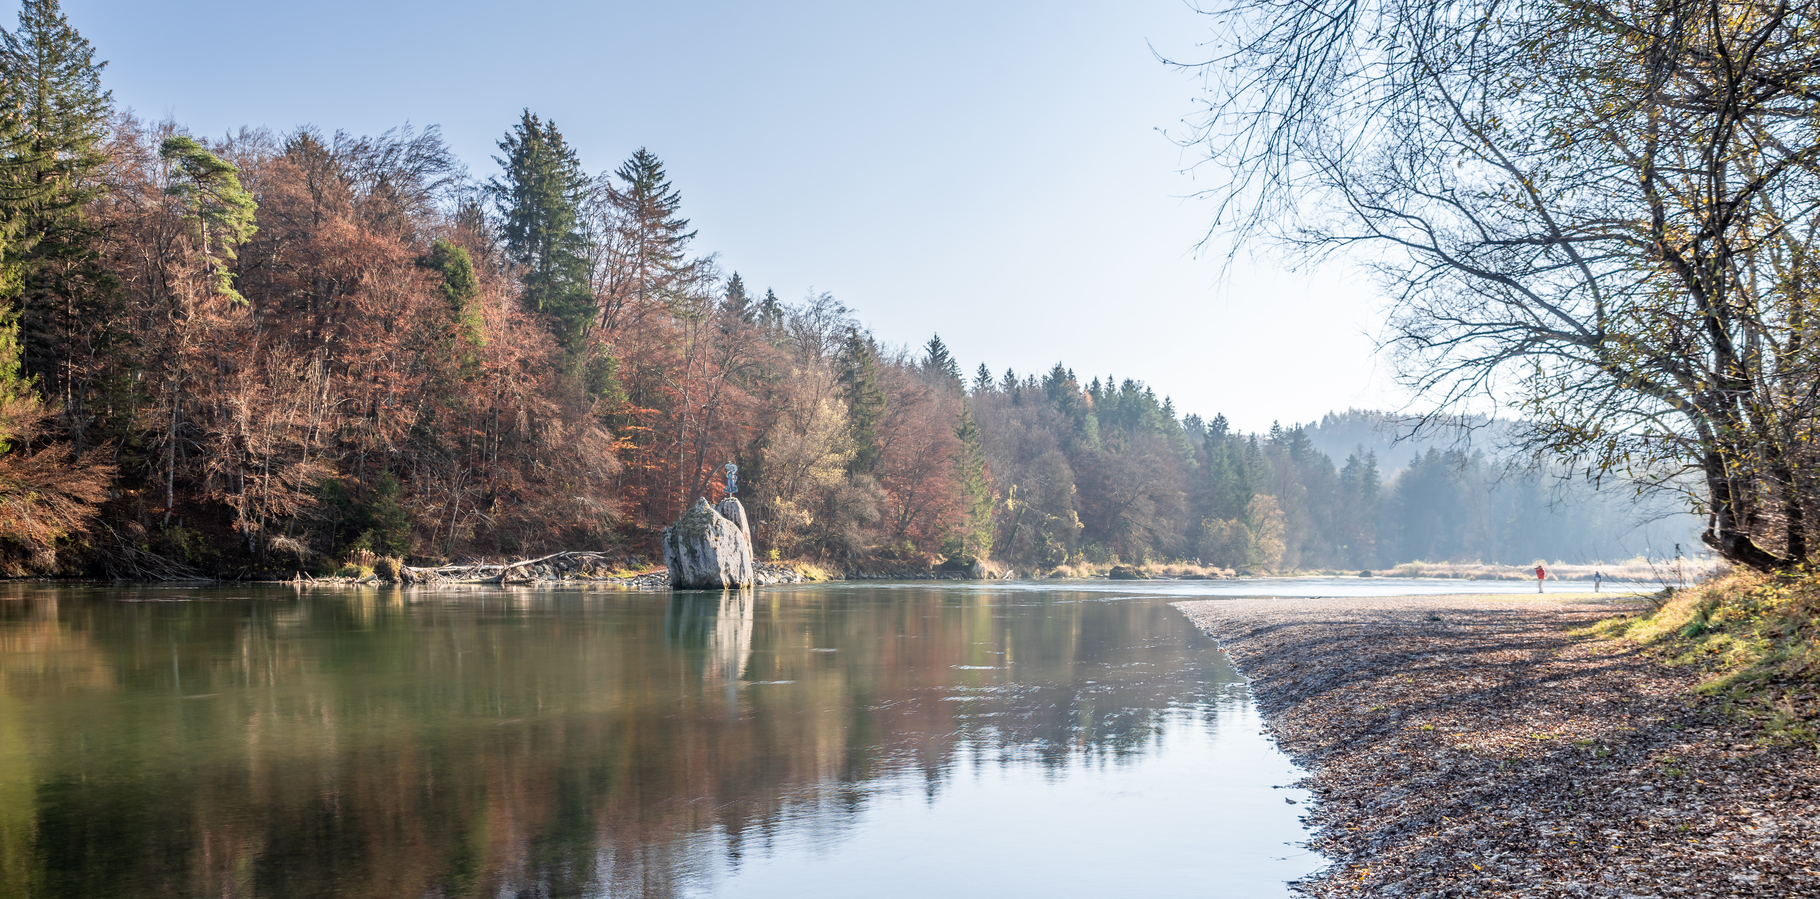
[[281, 742], [720, 625]]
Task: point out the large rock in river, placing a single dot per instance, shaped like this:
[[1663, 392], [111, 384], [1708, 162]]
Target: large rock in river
[[710, 550], [731, 510]]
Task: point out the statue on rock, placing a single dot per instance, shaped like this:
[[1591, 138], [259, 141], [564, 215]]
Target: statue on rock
[[708, 549]]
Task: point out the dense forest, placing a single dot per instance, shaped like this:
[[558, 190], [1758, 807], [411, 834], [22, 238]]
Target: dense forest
[[265, 352]]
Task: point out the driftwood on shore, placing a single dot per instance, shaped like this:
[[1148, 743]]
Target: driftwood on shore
[[541, 568], [122, 559]]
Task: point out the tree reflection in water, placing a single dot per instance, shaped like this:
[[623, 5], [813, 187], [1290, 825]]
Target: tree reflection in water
[[281, 742]]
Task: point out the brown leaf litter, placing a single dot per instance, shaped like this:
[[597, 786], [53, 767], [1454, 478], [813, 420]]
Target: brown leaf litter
[[1473, 746]]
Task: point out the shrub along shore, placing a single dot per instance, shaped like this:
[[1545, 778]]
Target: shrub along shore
[[1546, 746]]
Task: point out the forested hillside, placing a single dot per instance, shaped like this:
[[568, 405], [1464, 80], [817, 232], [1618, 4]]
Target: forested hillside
[[264, 352]]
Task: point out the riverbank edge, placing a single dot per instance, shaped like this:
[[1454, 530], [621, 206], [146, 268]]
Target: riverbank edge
[[1462, 745], [636, 570], [529, 573]]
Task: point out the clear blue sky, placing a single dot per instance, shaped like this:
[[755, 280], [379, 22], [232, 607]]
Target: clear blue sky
[[992, 172]]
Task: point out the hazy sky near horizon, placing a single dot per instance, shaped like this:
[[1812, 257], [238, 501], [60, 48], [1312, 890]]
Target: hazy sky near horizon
[[995, 173]]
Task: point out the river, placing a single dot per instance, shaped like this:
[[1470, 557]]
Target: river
[[883, 740]]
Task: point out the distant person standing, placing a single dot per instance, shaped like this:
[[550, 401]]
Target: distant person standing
[[1541, 575], [1598, 577]]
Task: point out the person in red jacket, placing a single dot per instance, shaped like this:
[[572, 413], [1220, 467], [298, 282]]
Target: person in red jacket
[[1541, 575]]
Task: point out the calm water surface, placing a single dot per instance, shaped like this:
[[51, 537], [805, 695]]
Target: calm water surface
[[832, 740]]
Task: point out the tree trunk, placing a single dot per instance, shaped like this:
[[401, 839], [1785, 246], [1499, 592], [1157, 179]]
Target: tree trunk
[[1727, 532]]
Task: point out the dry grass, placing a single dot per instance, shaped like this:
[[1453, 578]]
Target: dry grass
[[809, 570], [1154, 569], [1755, 636], [1179, 569]]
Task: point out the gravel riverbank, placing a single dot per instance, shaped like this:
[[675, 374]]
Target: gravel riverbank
[[1472, 746]]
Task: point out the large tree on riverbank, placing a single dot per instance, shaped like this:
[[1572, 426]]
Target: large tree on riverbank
[[1601, 213], [51, 124], [540, 195], [73, 333]]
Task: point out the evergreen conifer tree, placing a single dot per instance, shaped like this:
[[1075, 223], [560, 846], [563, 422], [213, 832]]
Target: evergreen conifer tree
[[71, 307], [48, 493], [982, 379], [539, 198], [975, 483], [1360, 488], [939, 362], [650, 239], [1063, 392], [54, 85], [866, 400], [220, 209], [771, 310], [1217, 447], [736, 301], [1370, 495]]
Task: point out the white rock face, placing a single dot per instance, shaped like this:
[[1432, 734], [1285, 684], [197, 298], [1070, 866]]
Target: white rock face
[[710, 550], [731, 510]]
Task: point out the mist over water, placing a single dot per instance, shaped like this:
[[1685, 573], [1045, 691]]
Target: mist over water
[[885, 740]]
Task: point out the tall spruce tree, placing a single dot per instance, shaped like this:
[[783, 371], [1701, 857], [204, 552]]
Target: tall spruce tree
[[47, 492], [71, 311], [938, 361], [649, 264], [736, 302], [975, 483], [539, 196], [771, 311], [1360, 489], [866, 400]]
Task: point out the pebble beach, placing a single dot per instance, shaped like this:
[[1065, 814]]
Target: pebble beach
[[1486, 746]]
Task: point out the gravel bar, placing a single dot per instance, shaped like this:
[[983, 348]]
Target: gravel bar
[[1473, 746]]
